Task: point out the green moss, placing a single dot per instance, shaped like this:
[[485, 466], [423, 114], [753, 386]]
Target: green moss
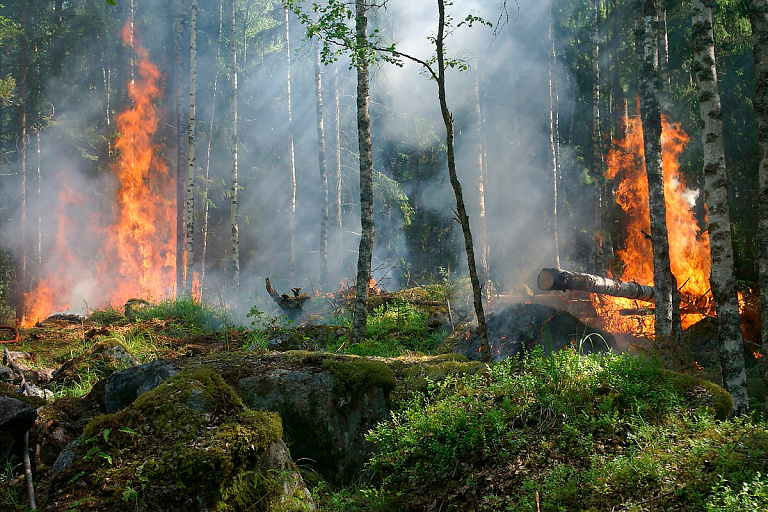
[[188, 442], [710, 395], [352, 376]]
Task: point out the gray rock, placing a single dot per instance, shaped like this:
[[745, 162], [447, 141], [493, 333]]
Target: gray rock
[[16, 418], [65, 458], [122, 388]]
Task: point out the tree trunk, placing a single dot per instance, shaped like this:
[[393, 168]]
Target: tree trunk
[[556, 279], [485, 272], [235, 263], [552, 136], [663, 279], [291, 156], [665, 99], [21, 144], [189, 202], [365, 251], [597, 154], [722, 280], [337, 178], [758, 10], [461, 210], [206, 184], [179, 149], [323, 173]]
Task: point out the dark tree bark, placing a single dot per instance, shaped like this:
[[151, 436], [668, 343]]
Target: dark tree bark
[[323, 174], [667, 309], [597, 153], [365, 251], [759, 17], [461, 209], [723, 280]]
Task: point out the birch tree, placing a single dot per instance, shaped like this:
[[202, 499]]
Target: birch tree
[[663, 279], [291, 155], [552, 137], [597, 154], [233, 214], [722, 280], [758, 11], [189, 201], [178, 31], [323, 173]]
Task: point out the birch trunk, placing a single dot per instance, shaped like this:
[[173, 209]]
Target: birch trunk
[[461, 210], [189, 202], [665, 99], [758, 10], [365, 251], [235, 263], [722, 280], [179, 148], [206, 184], [663, 279], [597, 155], [323, 173], [337, 178], [552, 135], [21, 144], [485, 272], [291, 156]]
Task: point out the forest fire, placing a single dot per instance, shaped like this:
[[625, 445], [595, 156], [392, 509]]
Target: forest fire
[[135, 253], [689, 245]]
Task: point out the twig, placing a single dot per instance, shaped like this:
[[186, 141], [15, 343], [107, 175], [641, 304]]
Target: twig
[[13, 364]]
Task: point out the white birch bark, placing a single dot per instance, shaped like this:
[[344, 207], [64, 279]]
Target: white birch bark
[[291, 155], [722, 280], [189, 200], [233, 214]]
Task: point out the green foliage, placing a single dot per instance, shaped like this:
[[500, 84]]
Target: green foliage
[[188, 314], [576, 432]]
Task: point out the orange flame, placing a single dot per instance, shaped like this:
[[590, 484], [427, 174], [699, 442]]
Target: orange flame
[[688, 245], [136, 255]]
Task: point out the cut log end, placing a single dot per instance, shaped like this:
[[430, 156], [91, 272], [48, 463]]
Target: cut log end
[[546, 279]]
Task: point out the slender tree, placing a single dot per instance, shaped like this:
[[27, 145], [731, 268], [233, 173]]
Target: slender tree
[[323, 173], [206, 177], [759, 18], [597, 153], [189, 201], [337, 178], [291, 156], [485, 272], [365, 251], [177, 44], [665, 99], [552, 136], [663, 279], [722, 279], [233, 214], [22, 145]]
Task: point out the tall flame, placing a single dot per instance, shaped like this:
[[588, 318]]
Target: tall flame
[[688, 245], [135, 255]]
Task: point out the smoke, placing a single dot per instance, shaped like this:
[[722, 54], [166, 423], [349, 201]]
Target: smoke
[[509, 63]]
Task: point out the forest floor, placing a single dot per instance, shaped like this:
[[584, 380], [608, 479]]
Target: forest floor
[[545, 432]]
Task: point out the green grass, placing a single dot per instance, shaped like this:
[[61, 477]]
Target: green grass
[[575, 432]]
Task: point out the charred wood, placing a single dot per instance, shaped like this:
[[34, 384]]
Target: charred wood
[[556, 279]]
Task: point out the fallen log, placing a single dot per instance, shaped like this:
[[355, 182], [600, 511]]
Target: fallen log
[[556, 279]]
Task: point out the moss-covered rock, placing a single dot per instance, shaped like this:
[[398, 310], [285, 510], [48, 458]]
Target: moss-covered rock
[[189, 444], [701, 393], [101, 360]]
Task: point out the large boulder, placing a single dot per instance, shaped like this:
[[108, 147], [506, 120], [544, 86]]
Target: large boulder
[[189, 444], [327, 402]]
